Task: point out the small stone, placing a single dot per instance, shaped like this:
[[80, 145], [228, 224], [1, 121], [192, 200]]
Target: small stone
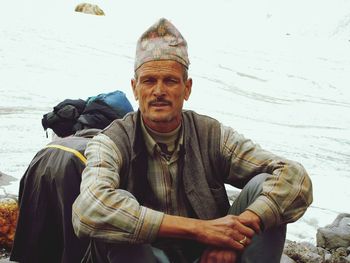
[[341, 251], [89, 9], [341, 260], [301, 253], [327, 257], [286, 259], [339, 255], [6, 179], [321, 251], [309, 247]]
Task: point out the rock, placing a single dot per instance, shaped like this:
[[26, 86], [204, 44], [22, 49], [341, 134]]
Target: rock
[[4, 194], [302, 253], [341, 251], [339, 255], [336, 234], [89, 9], [322, 252], [4, 253], [310, 247], [6, 179], [328, 258], [286, 259], [8, 221], [339, 260]]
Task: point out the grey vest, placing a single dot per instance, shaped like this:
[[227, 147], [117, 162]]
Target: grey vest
[[200, 167]]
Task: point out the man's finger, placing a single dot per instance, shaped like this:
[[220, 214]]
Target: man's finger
[[245, 230]]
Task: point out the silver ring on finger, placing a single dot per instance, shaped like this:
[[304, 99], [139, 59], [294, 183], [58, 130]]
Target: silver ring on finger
[[242, 242]]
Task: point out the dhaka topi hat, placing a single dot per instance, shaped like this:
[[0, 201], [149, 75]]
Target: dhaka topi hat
[[162, 41]]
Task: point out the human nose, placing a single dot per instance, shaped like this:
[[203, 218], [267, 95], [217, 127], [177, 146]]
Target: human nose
[[159, 89]]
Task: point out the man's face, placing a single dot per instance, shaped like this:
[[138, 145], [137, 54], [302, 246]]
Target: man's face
[[161, 91]]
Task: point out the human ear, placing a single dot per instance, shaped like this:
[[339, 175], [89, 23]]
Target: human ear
[[133, 85], [188, 88]]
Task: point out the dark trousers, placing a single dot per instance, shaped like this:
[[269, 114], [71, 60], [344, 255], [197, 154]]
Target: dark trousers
[[266, 247]]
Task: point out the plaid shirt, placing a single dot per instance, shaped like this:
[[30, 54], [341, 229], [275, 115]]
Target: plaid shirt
[[163, 177], [104, 211]]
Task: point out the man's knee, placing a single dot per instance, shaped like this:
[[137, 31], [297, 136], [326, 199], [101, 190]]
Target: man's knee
[[268, 246], [249, 193], [256, 182]]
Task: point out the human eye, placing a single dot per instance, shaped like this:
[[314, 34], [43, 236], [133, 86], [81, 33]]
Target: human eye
[[148, 81], [171, 80]]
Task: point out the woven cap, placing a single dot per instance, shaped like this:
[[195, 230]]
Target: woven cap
[[162, 41]]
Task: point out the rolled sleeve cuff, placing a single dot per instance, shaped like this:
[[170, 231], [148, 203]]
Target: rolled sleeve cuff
[[148, 226], [267, 211]]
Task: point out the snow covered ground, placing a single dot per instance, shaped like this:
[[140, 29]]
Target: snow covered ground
[[277, 71]]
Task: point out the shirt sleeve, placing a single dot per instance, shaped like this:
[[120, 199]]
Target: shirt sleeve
[[287, 190], [104, 211]]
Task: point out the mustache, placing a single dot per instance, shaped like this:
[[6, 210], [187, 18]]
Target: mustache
[[158, 101]]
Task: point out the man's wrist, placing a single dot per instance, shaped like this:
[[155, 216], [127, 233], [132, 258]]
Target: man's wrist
[[251, 219], [267, 211], [178, 227]]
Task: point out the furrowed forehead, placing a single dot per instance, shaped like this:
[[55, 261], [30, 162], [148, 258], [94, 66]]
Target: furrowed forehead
[[153, 68]]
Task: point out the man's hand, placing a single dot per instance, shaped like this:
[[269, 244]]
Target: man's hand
[[218, 254], [251, 220], [211, 255], [224, 232]]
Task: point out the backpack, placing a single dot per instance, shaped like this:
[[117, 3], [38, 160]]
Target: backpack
[[63, 117], [102, 109]]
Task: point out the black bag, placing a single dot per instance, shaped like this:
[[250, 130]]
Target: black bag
[[63, 117]]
